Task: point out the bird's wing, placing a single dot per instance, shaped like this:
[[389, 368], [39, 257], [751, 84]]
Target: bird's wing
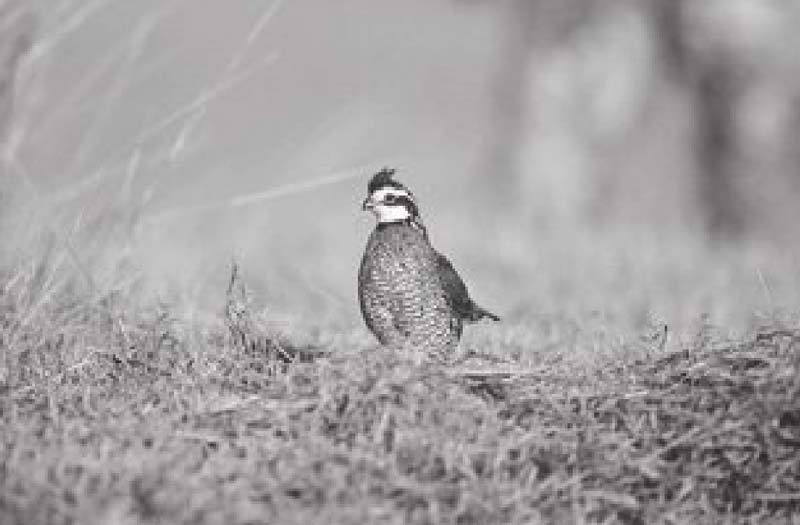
[[457, 294], [454, 288]]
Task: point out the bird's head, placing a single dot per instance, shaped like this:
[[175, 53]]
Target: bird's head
[[389, 199]]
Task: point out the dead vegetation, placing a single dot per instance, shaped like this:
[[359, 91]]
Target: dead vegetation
[[110, 414]]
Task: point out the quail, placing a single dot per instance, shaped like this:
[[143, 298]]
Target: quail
[[410, 294]]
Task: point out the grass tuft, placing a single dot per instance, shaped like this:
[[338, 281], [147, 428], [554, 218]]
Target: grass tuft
[[121, 414]]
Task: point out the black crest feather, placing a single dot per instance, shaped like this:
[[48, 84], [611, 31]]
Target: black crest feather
[[383, 179]]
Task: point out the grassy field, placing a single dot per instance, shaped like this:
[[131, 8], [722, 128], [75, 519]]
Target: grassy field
[[118, 411], [639, 375]]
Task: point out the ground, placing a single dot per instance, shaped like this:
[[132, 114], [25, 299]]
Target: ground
[[117, 412]]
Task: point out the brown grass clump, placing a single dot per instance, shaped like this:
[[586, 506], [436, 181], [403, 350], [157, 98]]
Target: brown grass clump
[[706, 434], [116, 414]]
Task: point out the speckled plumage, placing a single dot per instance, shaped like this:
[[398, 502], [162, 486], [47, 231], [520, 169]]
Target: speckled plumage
[[410, 295], [401, 297]]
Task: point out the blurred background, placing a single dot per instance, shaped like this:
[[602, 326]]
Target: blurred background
[[611, 159]]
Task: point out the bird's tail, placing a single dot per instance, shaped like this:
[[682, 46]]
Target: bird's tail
[[479, 313]]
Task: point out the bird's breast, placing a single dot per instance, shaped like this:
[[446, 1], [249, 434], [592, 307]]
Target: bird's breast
[[399, 265], [400, 289]]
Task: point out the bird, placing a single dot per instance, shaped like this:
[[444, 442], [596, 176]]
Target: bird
[[411, 296]]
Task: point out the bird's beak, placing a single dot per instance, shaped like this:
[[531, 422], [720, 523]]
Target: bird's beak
[[368, 204]]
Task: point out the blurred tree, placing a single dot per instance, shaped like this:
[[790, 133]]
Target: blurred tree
[[710, 76], [567, 91], [533, 28], [736, 60], [605, 65]]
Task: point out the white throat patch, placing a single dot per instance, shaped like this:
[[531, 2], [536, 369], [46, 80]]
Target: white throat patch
[[386, 213]]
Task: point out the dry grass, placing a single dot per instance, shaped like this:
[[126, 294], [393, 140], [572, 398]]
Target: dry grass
[[114, 414]]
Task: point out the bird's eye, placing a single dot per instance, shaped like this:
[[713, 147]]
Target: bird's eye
[[390, 199]]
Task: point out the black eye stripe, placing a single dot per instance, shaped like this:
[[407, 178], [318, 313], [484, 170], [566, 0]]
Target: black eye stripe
[[406, 202], [394, 198]]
